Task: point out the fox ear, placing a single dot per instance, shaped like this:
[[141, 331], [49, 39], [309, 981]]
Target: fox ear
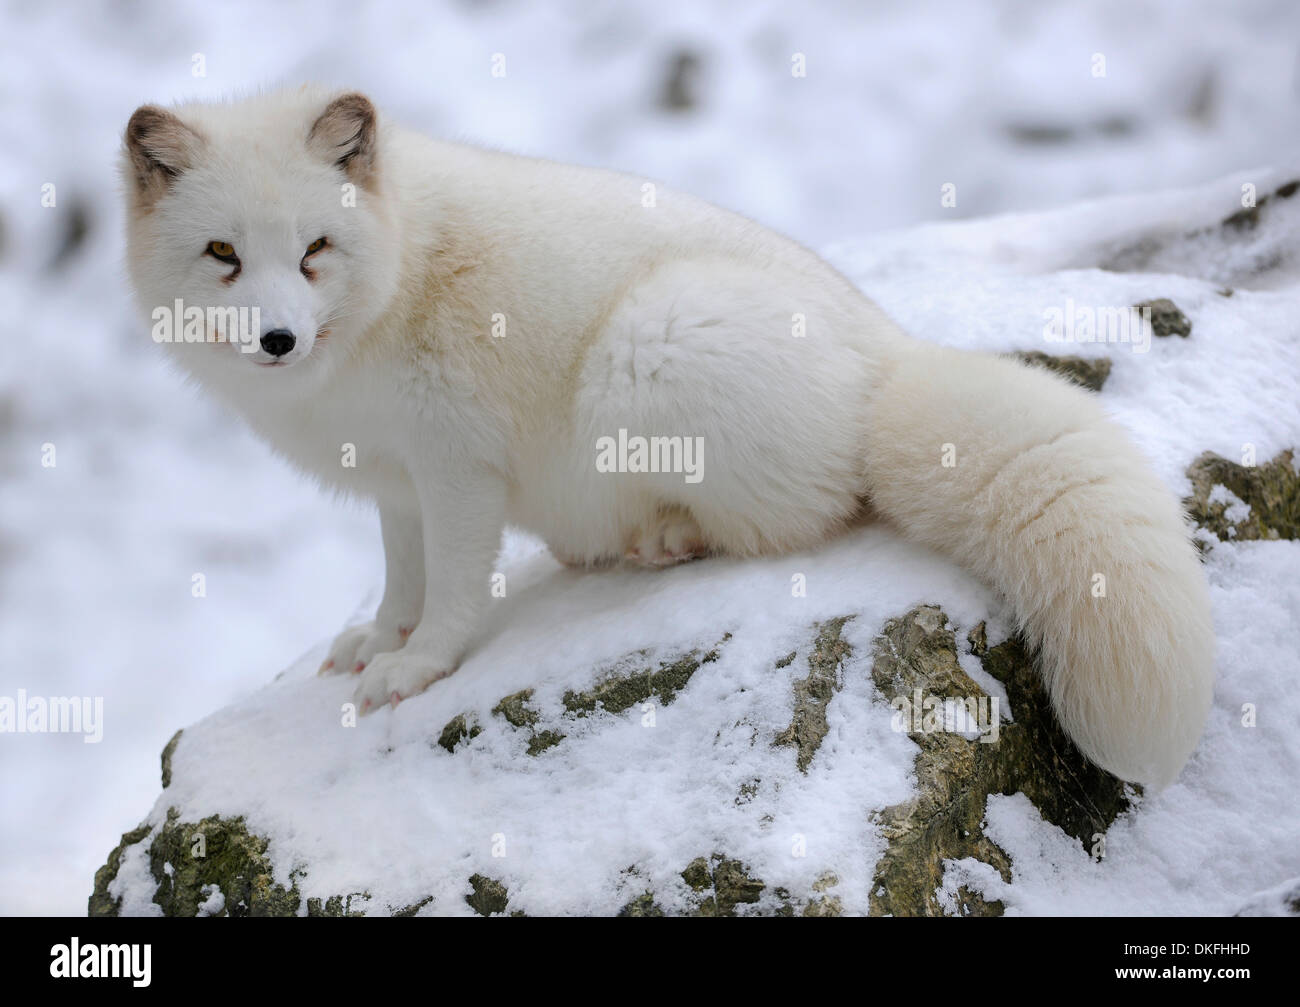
[[160, 147], [345, 135]]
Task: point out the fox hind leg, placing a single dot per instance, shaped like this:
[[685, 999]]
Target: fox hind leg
[[671, 537]]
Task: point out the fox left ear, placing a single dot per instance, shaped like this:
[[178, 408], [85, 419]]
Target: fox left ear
[[159, 147], [345, 135]]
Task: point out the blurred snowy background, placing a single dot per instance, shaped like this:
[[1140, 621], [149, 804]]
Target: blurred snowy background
[[153, 485]]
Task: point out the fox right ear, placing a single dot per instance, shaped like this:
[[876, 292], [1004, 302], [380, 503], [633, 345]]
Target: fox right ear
[[345, 134], [160, 147]]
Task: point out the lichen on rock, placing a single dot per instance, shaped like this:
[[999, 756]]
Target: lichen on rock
[[460, 728], [487, 895], [342, 906], [643, 905], [720, 884], [813, 694], [1090, 372], [190, 861], [823, 904], [955, 775], [1166, 318], [185, 858], [1271, 490], [168, 751], [102, 903], [623, 685], [517, 712], [619, 689]]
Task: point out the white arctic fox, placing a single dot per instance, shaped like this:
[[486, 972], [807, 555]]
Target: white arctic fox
[[475, 323]]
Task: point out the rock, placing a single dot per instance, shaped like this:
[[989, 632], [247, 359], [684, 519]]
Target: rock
[[642, 905], [624, 685], [1166, 319], [488, 896], [167, 759], [721, 884], [681, 86], [517, 713], [414, 908], [193, 861], [1248, 218], [458, 729], [339, 906], [917, 656], [184, 859], [514, 708], [1249, 248], [219, 866], [1281, 900], [813, 694], [1270, 494], [621, 689], [102, 903], [827, 905], [75, 226], [1090, 372]]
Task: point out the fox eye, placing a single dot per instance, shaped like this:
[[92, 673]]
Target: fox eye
[[312, 249], [222, 250]]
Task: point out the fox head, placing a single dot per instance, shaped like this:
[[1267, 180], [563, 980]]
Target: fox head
[[260, 240]]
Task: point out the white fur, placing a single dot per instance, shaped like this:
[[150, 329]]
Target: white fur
[[671, 319]]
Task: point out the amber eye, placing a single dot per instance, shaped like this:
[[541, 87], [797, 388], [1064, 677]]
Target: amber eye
[[222, 250], [315, 247]]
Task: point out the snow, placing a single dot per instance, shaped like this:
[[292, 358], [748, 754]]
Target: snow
[[214, 901], [1236, 511], [153, 485]]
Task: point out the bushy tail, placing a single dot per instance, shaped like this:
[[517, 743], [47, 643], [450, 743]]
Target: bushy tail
[[1023, 480]]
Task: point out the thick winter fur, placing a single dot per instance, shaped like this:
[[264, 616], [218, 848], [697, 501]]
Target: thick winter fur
[[477, 321]]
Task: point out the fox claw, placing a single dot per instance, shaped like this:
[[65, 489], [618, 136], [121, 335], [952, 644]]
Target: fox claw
[[393, 678], [358, 646]]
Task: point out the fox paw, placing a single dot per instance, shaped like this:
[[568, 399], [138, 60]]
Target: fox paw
[[673, 537], [357, 646], [391, 678]]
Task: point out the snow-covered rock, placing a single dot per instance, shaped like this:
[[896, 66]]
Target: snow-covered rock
[[752, 737]]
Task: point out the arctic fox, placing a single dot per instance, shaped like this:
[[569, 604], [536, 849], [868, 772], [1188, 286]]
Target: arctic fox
[[474, 324]]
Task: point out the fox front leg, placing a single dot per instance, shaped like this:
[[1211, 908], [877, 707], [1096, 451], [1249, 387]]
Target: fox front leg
[[403, 601], [462, 515]]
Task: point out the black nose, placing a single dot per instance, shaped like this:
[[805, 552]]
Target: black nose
[[278, 342]]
